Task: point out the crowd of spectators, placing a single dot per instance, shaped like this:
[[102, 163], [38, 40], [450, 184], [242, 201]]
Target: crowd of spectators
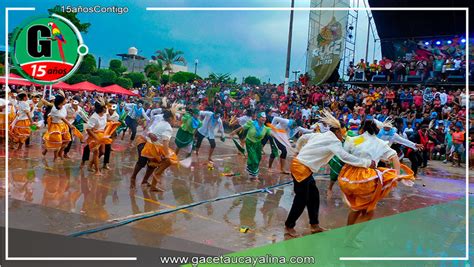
[[410, 106], [434, 68]]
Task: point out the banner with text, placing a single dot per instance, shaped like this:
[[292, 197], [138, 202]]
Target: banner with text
[[327, 30]]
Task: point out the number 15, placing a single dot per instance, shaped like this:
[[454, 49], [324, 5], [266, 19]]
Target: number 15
[[41, 70]]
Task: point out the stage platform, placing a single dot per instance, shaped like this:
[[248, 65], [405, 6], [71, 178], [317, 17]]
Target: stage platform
[[425, 83]]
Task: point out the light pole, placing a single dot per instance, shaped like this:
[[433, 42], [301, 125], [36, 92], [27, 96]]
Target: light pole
[[296, 73], [367, 45], [196, 61], [288, 52]]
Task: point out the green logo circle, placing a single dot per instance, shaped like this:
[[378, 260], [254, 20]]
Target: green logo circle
[[48, 50]]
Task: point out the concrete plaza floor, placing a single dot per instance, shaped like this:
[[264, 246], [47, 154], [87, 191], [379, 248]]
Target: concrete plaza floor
[[61, 198]]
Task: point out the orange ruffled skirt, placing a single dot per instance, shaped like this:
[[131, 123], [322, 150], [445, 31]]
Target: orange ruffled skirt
[[3, 118], [57, 135], [156, 153], [20, 131], [364, 187], [104, 137]]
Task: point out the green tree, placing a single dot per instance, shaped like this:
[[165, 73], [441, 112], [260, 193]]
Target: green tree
[[116, 66], [165, 79], [95, 80], [184, 77], [211, 92], [14, 70], [219, 77], [88, 65], [11, 35], [71, 16], [154, 71], [252, 80], [124, 82], [107, 76], [77, 78], [2, 69], [137, 78], [154, 82], [169, 56]]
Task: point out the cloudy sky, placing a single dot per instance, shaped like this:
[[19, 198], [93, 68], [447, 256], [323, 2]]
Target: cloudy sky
[[241, 43]]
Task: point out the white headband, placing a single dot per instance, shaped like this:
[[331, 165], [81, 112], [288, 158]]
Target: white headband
[[114, 107], [75, 102]]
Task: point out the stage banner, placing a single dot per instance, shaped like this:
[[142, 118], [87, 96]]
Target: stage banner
[[327, 30]]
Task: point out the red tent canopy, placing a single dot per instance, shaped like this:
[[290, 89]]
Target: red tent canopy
[[64, 86], [14, 79], [15, 76], [86, 86], [117, 89]]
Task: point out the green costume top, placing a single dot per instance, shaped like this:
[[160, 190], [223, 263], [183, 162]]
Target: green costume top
[[255, 132], [188, 122]]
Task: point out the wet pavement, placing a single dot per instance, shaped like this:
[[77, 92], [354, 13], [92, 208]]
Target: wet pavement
[[61, 198]]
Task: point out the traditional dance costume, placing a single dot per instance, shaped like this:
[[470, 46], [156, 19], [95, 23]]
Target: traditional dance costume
[[20, 128], [318, 151], [104, 131], [72, 114], [135, 112], [394, 138], [253, 142], [242, 120], [207, 130], [185, 134], [335, 166], [58, 133], [364, 187], [112, 120], [7, 113], [97, 124], [282, 130], [152, 152], [122, 112]]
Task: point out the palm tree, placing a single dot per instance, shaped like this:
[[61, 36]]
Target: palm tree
[[168, 57], [154, 70], [219, 77]]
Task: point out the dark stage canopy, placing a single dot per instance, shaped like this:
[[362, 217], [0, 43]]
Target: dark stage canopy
[[408, 24], [419, 25]]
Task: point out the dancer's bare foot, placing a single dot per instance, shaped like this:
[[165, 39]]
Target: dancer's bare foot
[[132, 184], [66, 156], [156, 189], [145, 185], [98, 173], [254, 178], [44, 152], [284, 172], [106, 167], [291, 232], [315, 228]]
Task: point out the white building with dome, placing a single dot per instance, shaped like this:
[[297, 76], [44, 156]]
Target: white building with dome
[[136, 63], [132, 61]]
